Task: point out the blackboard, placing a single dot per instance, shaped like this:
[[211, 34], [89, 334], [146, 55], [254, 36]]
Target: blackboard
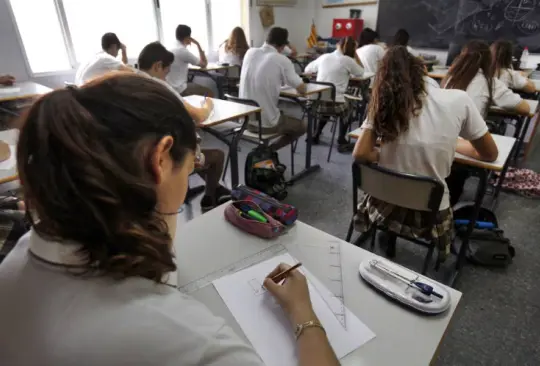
[[437, 23]]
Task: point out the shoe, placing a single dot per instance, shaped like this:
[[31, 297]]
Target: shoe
[[345, 148], [193, 192]]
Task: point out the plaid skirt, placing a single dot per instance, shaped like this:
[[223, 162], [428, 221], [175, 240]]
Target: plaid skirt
[[407, 222], [330, 108]]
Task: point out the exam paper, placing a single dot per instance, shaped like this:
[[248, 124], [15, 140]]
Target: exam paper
[[266, 325], [9, 89]]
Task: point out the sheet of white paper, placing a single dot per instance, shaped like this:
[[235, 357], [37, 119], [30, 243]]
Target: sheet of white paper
[[11, 161], [9, 90], [267, 327]]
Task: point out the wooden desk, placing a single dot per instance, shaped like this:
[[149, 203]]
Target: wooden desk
[[22, 90], [312, 89], [225, 111], [212, 67], [438, 74], [10, 137], [533, 104], [209, 243]]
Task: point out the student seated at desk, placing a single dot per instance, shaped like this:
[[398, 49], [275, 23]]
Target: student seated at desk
[[178, 77], [233, 50], [502, 53], [369, 52], [418, 125], [265, 69], [472, 71], [401, 38], [7, 80], [155, 61], [336, 68], [105, 61], [89, 281]]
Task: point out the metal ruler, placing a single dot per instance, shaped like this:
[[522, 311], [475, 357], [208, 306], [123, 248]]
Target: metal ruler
[[253, 259], [337, 303]]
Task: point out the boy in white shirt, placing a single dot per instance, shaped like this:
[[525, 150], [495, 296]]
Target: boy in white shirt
[[336, 68], [155, 61], [104, 61], [502, 54], [370, 53], [178, 76], [264, 71]]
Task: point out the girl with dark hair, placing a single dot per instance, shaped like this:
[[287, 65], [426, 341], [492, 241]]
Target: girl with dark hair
[[104, 170], [502, 53], [336, 68], [369, 52], [472, 71], [418, 126], [401, 38], [232, 51]]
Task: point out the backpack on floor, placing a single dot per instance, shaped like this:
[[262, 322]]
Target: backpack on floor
[[487, 244], [265, 173]]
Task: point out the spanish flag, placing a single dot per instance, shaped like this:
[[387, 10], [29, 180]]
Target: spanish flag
[[312, 39]]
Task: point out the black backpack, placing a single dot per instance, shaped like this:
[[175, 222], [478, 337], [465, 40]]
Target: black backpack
[[265, 173]]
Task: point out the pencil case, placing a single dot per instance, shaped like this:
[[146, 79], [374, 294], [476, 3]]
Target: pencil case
[[235, 214], [284, 213]]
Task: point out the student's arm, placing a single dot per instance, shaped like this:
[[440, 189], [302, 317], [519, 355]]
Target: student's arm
[[480, 144], [354, 68], [199, 114], [124, 54], [357, 58], [504, 98], [313, 66], [291, 78], [520, 82], [529, 87], [364, 150], [290, 51], [203, 61], [293, 295]]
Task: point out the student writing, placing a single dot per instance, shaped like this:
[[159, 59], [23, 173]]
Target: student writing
[[233, 50], [114, 158], [336, 68], [501, 52], [155, 61], [104, 61], [369, 52], [264, 70], [419, 126], [178, 76]]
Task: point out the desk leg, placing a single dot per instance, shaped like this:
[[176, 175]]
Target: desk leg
[[233, 153], [480, 193], [500, 181], [308, 167], [521, 137]]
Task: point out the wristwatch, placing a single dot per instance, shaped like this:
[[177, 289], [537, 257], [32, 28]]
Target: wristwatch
[[310, 324]]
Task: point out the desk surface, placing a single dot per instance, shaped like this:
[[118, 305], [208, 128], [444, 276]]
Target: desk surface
[[10, 137], [22, 90], [223, 110], [504, 144], [212, 67], [533, 104], [311, 90], [209, 243], [365, 76]]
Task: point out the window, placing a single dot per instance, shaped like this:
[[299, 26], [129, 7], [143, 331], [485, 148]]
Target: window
[[57, 35], [41, 34]]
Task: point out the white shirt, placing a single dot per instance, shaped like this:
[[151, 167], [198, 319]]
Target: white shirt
[[429, 146], [335, 68], [263, 73], [94, 320], [98, 65], [178, 75], [228, 57], [502, 96], [370, 55], [412, 51], [513, 79], [287, 51]]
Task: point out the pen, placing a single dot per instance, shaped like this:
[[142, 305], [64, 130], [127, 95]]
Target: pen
[[282, 275], [253, 214]]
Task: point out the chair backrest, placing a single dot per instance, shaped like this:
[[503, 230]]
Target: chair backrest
[[328, 95], [399, 189], [256, 117]]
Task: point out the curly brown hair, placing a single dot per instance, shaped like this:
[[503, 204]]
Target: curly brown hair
[[237, 43], [84, 164], [397, 93]]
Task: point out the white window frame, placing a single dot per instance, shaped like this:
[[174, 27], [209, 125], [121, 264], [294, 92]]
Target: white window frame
[[68, 41]]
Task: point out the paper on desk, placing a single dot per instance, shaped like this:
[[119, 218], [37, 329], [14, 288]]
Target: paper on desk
[[10, 162], [267, 327], [209, 118], [9, 89]]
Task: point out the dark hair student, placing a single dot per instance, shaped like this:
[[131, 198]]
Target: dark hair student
[[182, 32], [278, 37], [155, 52], [110, 39], [401, 38], [368, 36]]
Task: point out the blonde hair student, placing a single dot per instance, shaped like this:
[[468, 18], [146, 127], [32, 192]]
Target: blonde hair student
[[418, 125], [233, 50], [502, 54]]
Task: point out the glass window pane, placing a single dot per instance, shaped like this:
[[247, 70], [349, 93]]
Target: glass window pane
[[223, 25], [38, 21], [189, 12], [134, 22]]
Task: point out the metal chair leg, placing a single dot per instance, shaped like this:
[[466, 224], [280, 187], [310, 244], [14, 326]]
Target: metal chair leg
[[333, 138], [226, 167], [429, 255], [350, 231], [373, 236], [293, 149]]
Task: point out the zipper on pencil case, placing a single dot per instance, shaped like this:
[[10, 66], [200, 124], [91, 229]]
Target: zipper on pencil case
[[267, 200]]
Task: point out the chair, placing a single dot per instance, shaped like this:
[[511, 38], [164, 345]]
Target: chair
[[422, 194], [255, 138]]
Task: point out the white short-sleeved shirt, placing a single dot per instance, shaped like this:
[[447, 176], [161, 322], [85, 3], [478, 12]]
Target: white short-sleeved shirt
[[98, 65], [335, 68], [68, 320], [429, 146], [412, 51], [370, 55], [263, 73], [228, 57], [287, 51], [502, 96], [513, 79], [178, 76]]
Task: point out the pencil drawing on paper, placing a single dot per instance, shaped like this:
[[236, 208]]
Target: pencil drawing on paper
[[257, 286]]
